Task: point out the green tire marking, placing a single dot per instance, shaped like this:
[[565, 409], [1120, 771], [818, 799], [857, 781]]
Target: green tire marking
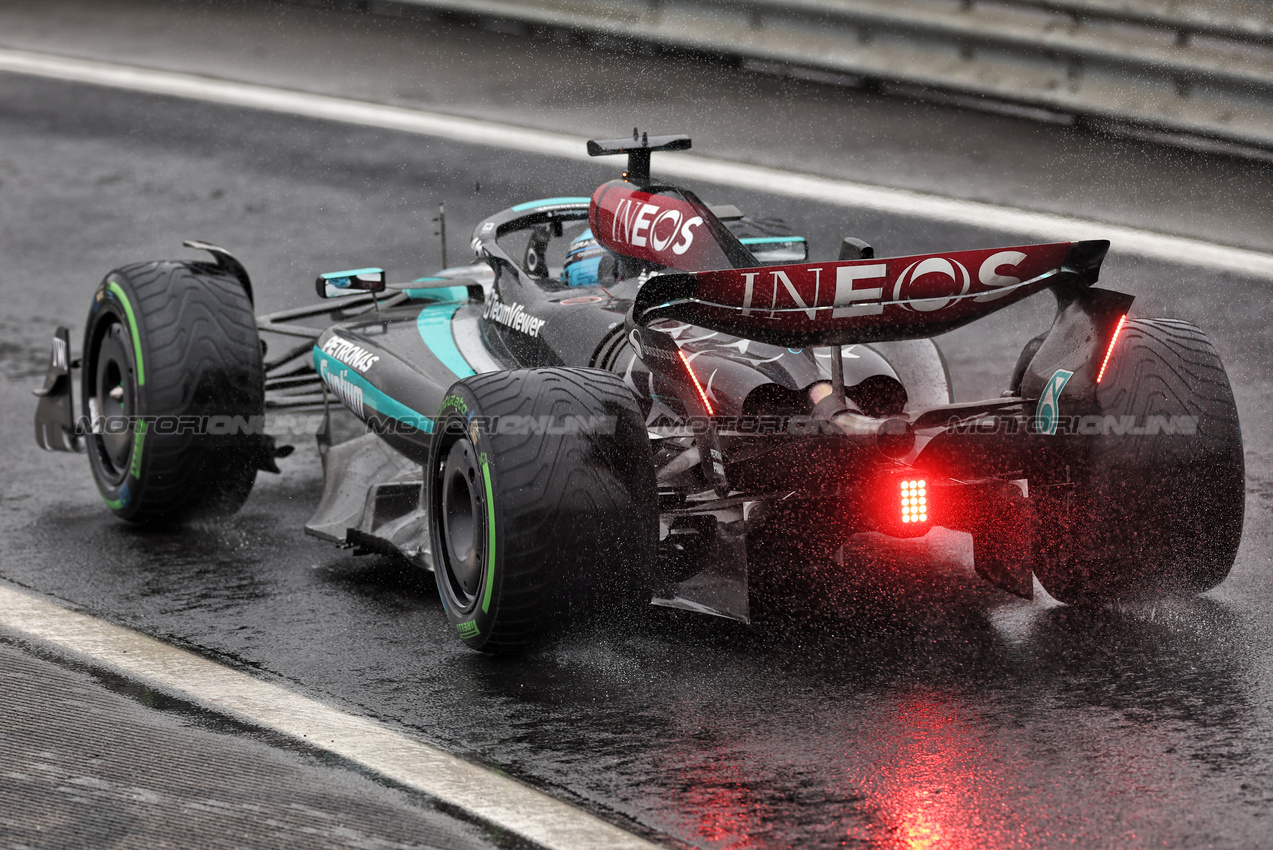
[[453, 401], [490, 535], [139, 439], [468, 629], [113, 504], [132, 327]]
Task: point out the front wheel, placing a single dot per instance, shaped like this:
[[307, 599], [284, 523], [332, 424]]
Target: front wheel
[[1158, 509], [542, 503], [174, 388]]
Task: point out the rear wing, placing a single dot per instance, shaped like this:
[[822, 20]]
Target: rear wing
[[841, 303]]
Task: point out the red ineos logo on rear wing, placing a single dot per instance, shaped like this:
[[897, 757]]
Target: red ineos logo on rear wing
[[859, 300]]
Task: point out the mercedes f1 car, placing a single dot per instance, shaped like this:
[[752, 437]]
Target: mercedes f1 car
[[639, 396]]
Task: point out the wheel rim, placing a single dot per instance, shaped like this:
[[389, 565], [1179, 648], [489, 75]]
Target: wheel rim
[[114, 396], [463, 520]]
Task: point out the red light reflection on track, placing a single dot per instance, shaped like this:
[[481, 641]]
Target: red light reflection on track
[[921, 776], [923, 772], [722, 805], [937, 780], [724, 817]]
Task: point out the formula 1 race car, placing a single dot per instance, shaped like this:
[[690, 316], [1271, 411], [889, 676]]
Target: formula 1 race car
[[638, 396]]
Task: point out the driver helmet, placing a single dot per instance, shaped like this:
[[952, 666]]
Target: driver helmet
[[583, 261]]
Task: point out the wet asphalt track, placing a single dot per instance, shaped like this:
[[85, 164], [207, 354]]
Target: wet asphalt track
[[904, 705]]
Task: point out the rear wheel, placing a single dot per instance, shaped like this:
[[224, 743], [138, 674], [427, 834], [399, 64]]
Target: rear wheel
[[1159, 508], [542, 503], [174, 384]]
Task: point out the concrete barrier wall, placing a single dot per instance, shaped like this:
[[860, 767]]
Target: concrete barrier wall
[[1203, 68]]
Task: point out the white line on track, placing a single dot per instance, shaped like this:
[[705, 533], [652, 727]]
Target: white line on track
[[496, 799], [1126, 240]]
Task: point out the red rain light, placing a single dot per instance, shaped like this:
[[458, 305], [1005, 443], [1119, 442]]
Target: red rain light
[[914, 500], [1110, 350], [701, 392]]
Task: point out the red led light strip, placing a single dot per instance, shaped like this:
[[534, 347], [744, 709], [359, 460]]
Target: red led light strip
[[1110, 350], [701, 392]]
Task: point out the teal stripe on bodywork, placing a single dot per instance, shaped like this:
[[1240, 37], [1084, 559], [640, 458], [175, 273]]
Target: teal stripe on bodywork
[[436, 293], [434, 324], [350, 273], [548, 202], [762, 240], [372, 396]]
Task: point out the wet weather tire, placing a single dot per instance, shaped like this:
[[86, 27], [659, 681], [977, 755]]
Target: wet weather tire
[[1154, 513], [173, 377], [542, 503]]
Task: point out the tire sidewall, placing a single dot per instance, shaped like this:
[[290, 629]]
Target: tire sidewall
[[459, 418], [113, 303]]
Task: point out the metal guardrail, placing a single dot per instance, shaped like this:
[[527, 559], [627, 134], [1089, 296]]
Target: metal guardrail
[[1202, 68], [1249, 20]]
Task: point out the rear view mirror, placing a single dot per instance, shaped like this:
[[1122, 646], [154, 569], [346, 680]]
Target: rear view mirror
[[778, 250], [354, 282]]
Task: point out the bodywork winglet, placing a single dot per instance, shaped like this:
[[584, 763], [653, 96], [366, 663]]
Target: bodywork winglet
[[55, 429], [226, 261]]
